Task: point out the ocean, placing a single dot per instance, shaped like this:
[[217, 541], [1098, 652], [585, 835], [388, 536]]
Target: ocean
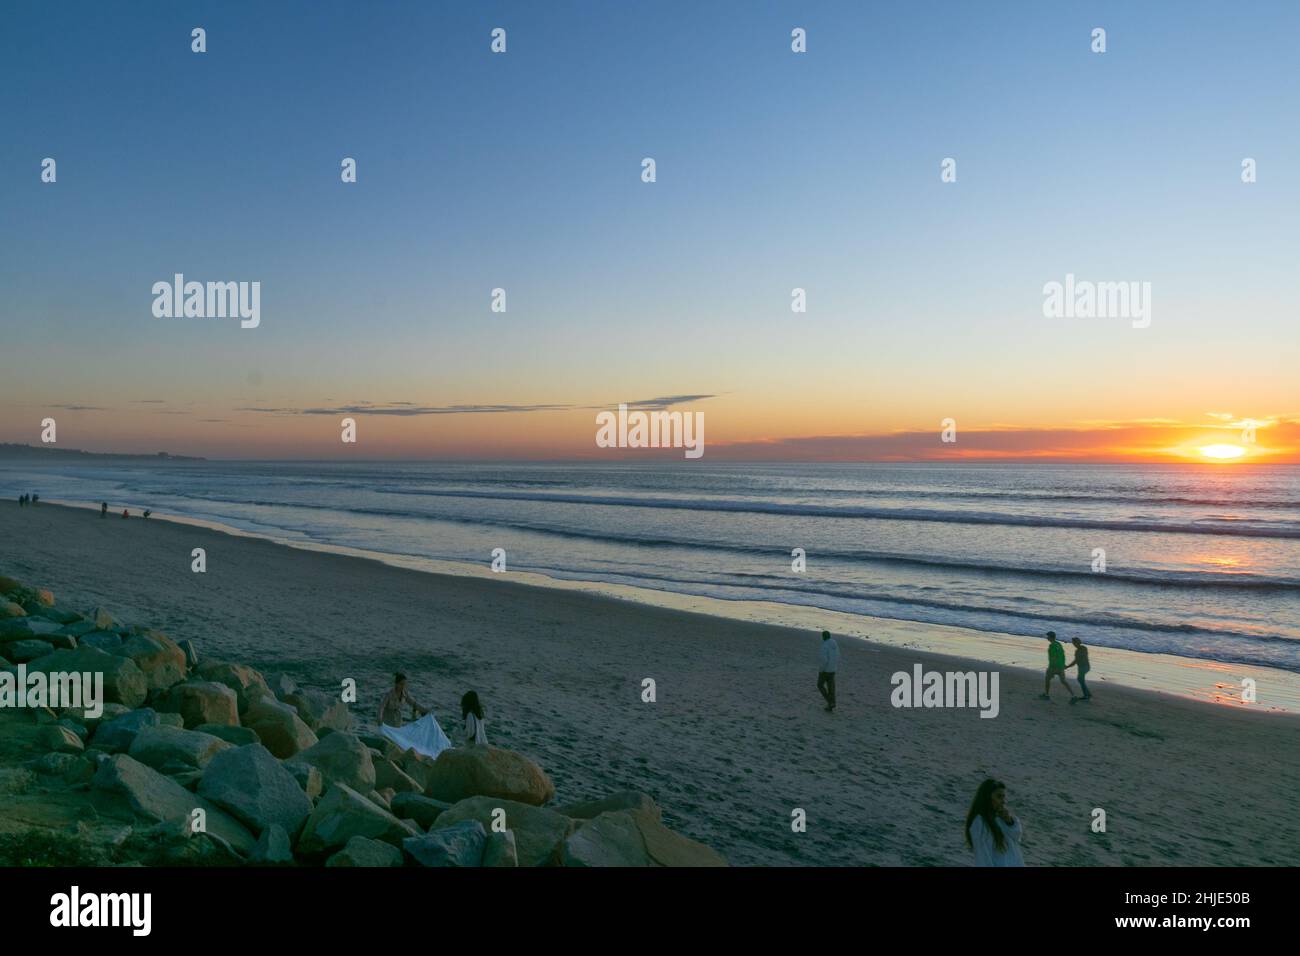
[[1199, 561]]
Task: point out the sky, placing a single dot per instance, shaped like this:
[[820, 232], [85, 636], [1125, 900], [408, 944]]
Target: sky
[[775, 170]]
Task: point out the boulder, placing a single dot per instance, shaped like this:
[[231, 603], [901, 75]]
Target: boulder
[[342, 814], [104, 640], [279, 727], [307, 777], [125, 788], [389, 775], [8, 584], [320, 710], [45, 598], [103, 620], [21, 652], [106, 713], [459, 845], [254, 788], [158, 656], [247, 683], [634, 838], [60, 739], [181, 750], [419, 809], [281, 684], [273, 846], [118, 733], [51, 613], [124, 683], [191, 653], [363, 851], [341, 758], [239, 736], [200, 702], [23, 628], [500, 850], [622, 800], [10, 609], [486, 771], [539, 833]]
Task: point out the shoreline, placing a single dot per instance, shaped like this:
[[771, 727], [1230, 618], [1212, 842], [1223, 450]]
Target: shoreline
[[737, 738], [1190, 678]]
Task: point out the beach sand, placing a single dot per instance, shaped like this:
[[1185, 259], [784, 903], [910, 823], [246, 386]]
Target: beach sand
[[737, 738]]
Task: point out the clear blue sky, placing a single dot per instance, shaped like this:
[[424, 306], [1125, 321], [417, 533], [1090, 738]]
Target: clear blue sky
[[522, 171]]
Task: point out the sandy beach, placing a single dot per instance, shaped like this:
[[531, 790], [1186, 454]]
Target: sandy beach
[[737, 738]]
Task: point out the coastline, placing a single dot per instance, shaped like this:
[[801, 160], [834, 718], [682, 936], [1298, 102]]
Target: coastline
[[1198, 679], [737, 738]]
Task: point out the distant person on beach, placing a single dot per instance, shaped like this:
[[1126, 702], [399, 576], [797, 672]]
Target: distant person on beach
[[22, 501], [1081, 661], [125, 513], [390, 708], [472, 711], [830, 663], [147, 513], [36, 499], [992, 830], [1055, 667], [103, 510]]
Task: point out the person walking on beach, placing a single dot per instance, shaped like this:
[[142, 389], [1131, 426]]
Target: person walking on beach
[[36, 499], [1081, 660], [830, 663], [472, 711], [103, 509], [1055, 667], [22, 501], [992, 831], [390, 707]]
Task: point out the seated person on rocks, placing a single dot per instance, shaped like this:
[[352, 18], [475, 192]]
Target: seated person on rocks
[[390, 708]]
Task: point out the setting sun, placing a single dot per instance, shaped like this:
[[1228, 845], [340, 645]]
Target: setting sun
[[1223, 452]]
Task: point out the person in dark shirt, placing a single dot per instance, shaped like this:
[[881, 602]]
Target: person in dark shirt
[[1081, 660]]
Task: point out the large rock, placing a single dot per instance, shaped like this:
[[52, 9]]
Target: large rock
[[363, 851], [104, 640], [390, 776], [418, 808], [24, 628], [319, 709], [200, 702], [342, 814], [279, 727], [60, 739], [158, 656], [255, 789], [461, 844], [239, 736], [103, 620], [501, 850], [622, 800], [487, 771], [634, 838], [341, 758], [10, 609], [124, 683], [117, 734], [21, 652], [125, 788], [248, 684], [167, 747], [273, 847], [539, 833]]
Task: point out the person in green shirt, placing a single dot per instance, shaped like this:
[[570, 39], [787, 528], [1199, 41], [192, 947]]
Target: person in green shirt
[[1055, 667]]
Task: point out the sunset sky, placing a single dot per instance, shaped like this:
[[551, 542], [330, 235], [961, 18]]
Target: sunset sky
[[775, 171]]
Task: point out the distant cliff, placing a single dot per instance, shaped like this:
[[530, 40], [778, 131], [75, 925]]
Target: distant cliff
[[10, 452]]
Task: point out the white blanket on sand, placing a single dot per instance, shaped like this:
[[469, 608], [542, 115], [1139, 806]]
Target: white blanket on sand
[[424, 736]]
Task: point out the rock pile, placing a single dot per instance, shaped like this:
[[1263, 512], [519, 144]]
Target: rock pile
[[212, 763]]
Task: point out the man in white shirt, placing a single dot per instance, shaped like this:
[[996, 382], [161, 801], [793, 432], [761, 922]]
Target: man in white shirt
[[830, 663]]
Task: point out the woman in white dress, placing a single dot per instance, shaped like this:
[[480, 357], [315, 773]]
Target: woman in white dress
[[472, 711], [992, 831]]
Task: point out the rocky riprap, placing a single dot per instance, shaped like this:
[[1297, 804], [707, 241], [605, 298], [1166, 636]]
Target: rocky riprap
[[281, 775]]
